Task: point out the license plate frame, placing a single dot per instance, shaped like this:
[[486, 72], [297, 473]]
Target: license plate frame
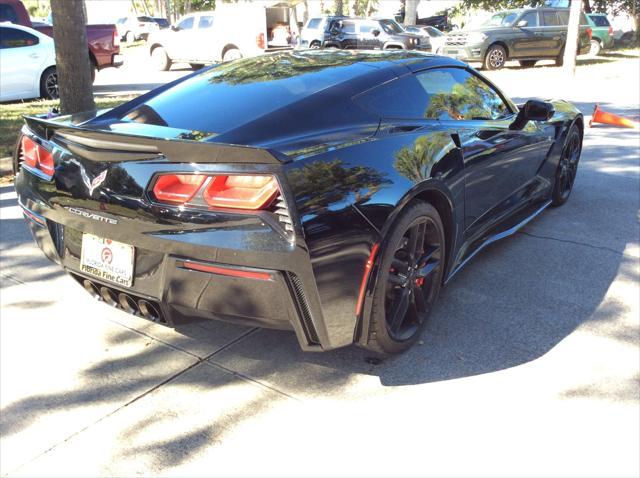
[[108, 260]]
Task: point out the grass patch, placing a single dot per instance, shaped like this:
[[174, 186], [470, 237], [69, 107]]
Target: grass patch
[[11, 117]]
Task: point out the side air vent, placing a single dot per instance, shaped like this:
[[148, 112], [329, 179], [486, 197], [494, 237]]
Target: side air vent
[[281, 210], [303, 308]]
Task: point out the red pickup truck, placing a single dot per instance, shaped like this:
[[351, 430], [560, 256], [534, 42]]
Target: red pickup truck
[[104, 41]]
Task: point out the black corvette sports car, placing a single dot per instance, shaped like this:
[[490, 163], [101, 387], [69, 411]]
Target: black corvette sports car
[[328, 192]]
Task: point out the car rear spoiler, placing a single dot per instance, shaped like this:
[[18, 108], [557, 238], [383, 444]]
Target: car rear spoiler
[[113, 146]]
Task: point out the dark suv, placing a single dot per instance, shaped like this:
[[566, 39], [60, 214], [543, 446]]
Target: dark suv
[[527, 35], [372, 34]]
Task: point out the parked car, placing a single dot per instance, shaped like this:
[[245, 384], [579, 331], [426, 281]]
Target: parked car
[[209, 37], [314, 33], [436, 37], [131, 29], [372, 34], [103, 40], [327, 192], [527, 35], [28, 60], [602, 33]]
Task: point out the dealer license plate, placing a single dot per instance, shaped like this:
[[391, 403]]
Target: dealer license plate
[[107, 259]]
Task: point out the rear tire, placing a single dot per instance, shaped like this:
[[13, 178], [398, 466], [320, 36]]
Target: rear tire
[[528, 63], [49, 83], [160, 59], [409, 279], [130, 37], [595, 47], [495, 58], [315, 45]]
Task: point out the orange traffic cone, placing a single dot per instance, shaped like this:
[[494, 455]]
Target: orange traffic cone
[[600, 116]]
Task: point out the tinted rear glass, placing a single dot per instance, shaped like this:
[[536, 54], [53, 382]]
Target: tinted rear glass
[[232, 94], [8, 14], [599, 21]]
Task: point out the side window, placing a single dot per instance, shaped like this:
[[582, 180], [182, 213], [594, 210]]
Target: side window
[[8, 14], [348, 27], [314, 23], [563, 15], [400, 98], [531, 18], [186, 24], [206, 21], [14, 38], [366, 27], [456, 94], [550, 19]]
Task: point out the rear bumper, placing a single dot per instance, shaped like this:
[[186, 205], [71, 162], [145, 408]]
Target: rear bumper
[[281, 293]]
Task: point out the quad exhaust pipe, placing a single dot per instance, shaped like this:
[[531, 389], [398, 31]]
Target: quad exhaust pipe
[[126, 302]]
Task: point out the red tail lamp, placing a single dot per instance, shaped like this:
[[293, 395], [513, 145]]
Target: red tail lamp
[[177, 188], [36, 156], [241, 191]]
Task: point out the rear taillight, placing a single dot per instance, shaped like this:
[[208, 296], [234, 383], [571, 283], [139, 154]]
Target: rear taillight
[[241, 192], [36, 156], [260, 41], [610, 31], [177, 188], [589, 32], [116, 38], [246, 191]]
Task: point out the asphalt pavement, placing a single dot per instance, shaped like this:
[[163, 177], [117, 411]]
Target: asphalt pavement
[[530, 365]]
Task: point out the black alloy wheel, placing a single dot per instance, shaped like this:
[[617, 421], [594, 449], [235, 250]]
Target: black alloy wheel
[[49, 84], [567, 167], [409, 279]]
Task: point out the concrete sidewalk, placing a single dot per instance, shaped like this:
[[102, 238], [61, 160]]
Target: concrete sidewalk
[[529, 367]]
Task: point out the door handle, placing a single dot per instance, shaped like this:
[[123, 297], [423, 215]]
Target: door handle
[[34, 55]]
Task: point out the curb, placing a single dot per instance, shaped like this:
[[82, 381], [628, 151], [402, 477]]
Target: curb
[[6, 166]]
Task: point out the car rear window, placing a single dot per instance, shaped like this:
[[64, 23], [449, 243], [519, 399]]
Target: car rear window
[[599, 21], [232, 94]]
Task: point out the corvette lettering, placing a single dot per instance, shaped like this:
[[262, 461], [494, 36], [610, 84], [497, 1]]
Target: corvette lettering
[[92, 215]]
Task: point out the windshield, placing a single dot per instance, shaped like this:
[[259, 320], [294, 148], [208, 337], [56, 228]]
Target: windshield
[[502, 19], [434, 32], [390, 26]]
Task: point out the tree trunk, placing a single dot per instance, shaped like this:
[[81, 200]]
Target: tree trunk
[[587, 6], [410, 12], [167, 10], [339, 10], [573, 32], [305, 12], [72, 56]]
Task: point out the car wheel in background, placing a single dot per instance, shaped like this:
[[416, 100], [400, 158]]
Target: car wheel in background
[[231, 54], [567, 167], [495, 58], [595, 47], [560, 57], [314, 45], [160, 59], [409, 279], [49, 84], [129, 37], [528, 63]]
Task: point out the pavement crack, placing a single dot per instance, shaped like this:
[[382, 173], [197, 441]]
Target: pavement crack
[[577, 243]]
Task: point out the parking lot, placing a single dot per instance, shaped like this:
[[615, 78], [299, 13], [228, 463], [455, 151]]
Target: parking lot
[[530, 365]]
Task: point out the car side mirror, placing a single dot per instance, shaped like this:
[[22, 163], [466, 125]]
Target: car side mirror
[[175, 28], [375, 32], [522, 24], [533, 110]]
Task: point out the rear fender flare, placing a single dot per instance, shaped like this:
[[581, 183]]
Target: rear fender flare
[[427, 190]]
